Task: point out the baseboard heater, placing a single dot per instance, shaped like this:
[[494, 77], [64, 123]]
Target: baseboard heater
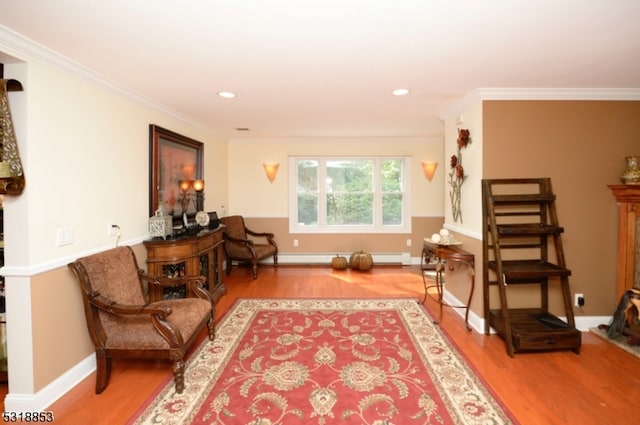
[[401, 258]]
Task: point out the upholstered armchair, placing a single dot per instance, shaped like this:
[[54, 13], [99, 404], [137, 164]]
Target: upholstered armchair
[[123, 324], [245, 245]]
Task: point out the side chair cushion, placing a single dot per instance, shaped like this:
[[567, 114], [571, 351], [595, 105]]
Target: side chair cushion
[[138, 331]]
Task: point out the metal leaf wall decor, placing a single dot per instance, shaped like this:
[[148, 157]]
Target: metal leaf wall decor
[[12, 179]]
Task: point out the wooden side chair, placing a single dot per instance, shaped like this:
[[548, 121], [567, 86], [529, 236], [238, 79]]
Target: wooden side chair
[[123, 324], [245, 245]]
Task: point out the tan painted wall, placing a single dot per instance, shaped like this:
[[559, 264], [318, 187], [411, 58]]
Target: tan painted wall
[[340, 243], [59, 323], [581, 146]]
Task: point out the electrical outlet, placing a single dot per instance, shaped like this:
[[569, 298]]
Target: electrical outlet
[[408, 242], [578, 300], [295, 242], [112, 229]]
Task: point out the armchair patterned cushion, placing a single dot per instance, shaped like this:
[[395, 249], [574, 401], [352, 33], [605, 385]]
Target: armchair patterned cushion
[[245, 245], [122, 323]]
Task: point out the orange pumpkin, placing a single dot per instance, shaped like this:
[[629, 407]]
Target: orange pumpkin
[[339, 263], [361, 261]]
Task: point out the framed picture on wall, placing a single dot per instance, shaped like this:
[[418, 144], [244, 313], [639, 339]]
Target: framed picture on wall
[[175, 161]]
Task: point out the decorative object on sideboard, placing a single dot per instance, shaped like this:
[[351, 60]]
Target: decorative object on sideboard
[[192, 190], [160, 224], [214, 221], [12, 179], [198, 187], [271, 170], [444, 238], [429, 169], [456, 175], [202, 219], [632, 174]]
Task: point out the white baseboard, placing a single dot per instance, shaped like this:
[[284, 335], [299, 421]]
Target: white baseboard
[[583, 323], [48, 395]]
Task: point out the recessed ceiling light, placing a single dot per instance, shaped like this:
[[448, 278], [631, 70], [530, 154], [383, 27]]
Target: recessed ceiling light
[[400, 92], [226, 94]]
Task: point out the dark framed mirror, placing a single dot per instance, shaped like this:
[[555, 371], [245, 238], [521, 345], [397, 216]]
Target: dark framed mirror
[[174, 161]]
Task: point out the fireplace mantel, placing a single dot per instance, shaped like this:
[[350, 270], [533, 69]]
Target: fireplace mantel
[[628, 197]]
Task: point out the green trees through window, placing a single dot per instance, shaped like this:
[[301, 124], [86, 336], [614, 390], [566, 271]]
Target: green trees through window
[[349, 193]]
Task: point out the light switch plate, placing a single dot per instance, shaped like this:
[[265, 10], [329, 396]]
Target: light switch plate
[[64, 236]]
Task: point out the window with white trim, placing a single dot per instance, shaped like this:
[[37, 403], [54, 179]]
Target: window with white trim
[[349, 195]]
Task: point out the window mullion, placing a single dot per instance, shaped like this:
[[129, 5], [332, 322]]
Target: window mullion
[[322, 193], [377, 193]]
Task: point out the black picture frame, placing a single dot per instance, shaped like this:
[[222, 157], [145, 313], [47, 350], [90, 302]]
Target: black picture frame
[[172, 157]]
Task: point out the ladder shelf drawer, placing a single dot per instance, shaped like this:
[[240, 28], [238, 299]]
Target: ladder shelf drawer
[[537, 330]]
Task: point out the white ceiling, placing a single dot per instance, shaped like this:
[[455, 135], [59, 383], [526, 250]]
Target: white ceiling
[[327, 67]]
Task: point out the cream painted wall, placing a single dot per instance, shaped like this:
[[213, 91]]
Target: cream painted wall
[[468, 116], [250, 193], [471, 223], [85, 150], [88, 156]]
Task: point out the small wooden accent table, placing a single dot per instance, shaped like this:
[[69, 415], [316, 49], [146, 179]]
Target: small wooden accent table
[[442, 254], [197, 255]]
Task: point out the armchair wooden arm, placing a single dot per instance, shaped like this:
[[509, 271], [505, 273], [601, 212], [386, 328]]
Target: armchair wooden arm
[[233, 239], [267, 235], [112, 307]]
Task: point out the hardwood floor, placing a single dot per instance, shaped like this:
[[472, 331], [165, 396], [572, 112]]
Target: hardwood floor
[[601, 385]]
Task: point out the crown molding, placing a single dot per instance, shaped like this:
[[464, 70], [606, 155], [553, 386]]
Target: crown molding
[[25, 49], [588, 94], [28, 49], [559, 94]]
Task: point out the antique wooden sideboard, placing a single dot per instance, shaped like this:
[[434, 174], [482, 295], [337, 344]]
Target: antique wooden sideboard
[[201, 254]]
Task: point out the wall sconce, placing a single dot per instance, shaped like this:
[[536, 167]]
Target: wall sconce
[[271, 170], [429, 169]]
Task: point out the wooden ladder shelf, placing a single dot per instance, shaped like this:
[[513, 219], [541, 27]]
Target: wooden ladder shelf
[[521, 233]]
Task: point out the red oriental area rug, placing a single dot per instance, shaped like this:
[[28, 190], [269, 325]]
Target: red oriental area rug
[[327, 361]]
